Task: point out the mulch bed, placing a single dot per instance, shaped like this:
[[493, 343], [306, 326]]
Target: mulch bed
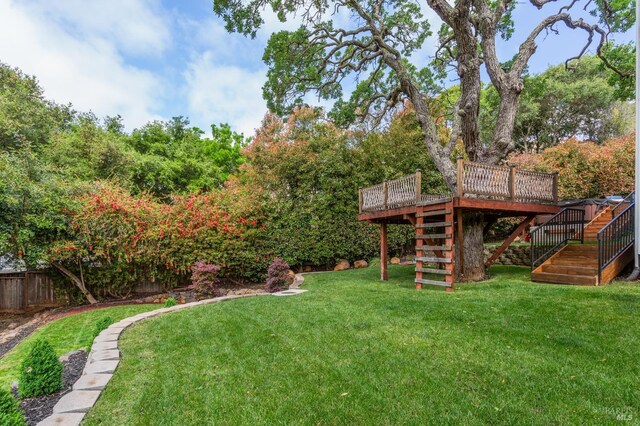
[[39, 408]]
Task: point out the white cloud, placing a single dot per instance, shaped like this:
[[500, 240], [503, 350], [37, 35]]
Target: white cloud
[[74, 64], [221, 93], [134, 26]]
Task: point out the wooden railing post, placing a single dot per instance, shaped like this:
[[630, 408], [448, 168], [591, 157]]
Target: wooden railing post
[[359, 200], [555, 186], [418, 185], [385, 192], [512, 182], [460, 177]]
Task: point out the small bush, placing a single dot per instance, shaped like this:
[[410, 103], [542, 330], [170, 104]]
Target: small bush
[[170, 302], [40, 372], [277, 276], [204, 279], [10, 413]]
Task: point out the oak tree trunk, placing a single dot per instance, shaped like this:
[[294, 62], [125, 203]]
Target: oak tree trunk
[[76, 281], [473, 247]]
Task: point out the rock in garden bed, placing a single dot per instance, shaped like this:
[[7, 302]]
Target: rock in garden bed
[[37, 409]]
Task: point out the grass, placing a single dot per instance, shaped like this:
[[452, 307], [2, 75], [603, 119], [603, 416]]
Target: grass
[[354, 350], [65, 335]]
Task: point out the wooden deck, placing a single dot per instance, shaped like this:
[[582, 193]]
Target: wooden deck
[[495, 191]]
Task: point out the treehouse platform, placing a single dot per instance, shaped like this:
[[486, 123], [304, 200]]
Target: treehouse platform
[[495, 191]]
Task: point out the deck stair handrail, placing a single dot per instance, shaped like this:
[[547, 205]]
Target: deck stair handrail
[[623, 204], [548, 238], [615, 237]]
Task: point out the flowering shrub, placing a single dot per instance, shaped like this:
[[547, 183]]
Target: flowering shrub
[[205, 279], [587, 170], [277, 276], [123, 239]]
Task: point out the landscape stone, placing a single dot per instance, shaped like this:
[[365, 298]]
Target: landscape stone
[[107, 355], [104, 346], [359, 264], [63, 419], [342, 265], [92, 382], [77, 401], [395, 261], [99, 367]]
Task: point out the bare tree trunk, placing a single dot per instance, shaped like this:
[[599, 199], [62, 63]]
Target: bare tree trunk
[[76, 281], [473, 248]]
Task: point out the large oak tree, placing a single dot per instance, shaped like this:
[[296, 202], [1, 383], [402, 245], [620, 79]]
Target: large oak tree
[[377, 48]]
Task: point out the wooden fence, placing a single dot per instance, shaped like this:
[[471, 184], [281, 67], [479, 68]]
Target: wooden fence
[[21, 291], [474, 180]]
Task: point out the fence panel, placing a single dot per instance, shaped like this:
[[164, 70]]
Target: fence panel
[[38, 287]]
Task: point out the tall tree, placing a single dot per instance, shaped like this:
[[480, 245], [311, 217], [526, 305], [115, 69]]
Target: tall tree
[[377, 45]]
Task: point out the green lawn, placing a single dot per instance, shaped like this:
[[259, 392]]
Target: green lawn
[[354, 350], [65, 335]]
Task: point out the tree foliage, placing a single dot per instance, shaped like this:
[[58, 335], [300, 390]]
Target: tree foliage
[[587, 170]]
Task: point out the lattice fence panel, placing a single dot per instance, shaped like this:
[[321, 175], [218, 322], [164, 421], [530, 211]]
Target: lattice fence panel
[[373, 198], [484, 179], [401, 191], [534, 186]]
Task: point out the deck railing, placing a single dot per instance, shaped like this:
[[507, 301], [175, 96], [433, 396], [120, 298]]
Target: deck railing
[[474, 179], [506, 182]]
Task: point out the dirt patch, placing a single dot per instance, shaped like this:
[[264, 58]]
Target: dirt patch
[[39, 408]]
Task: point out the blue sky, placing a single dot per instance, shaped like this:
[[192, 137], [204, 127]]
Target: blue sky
[[154, 59]]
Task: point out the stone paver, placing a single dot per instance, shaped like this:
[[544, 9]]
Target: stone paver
[[290, 292], [79, 401], [105, 346], [92, 381], [63, 419], [106, 355], [100, 367]]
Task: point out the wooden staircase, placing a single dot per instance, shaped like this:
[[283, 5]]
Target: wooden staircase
[[578, 263], [434, 234]]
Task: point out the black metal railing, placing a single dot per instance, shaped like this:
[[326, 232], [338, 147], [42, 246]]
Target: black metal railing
[[623, 204], [551, 236], [616, 237]]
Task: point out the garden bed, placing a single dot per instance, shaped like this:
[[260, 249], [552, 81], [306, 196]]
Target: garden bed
[[38, 408]]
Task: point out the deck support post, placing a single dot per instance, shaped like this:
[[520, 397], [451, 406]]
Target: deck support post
[[460, 242], [384, 276]]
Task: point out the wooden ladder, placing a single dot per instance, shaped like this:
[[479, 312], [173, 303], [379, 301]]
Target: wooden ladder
[[434, 233]]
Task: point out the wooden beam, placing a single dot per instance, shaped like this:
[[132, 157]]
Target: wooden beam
[[518, 209], [384, 276], [409, 218], [496, 254]]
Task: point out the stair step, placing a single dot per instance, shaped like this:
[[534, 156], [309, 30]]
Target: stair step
[[433, 282], [432, 248], [434, 225], [549, 277], [573, 261], [570, 269], [433, 271], [433, 259], [426, 236], [433, 213]]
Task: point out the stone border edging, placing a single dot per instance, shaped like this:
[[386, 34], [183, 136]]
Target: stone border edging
[[103, 361]]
